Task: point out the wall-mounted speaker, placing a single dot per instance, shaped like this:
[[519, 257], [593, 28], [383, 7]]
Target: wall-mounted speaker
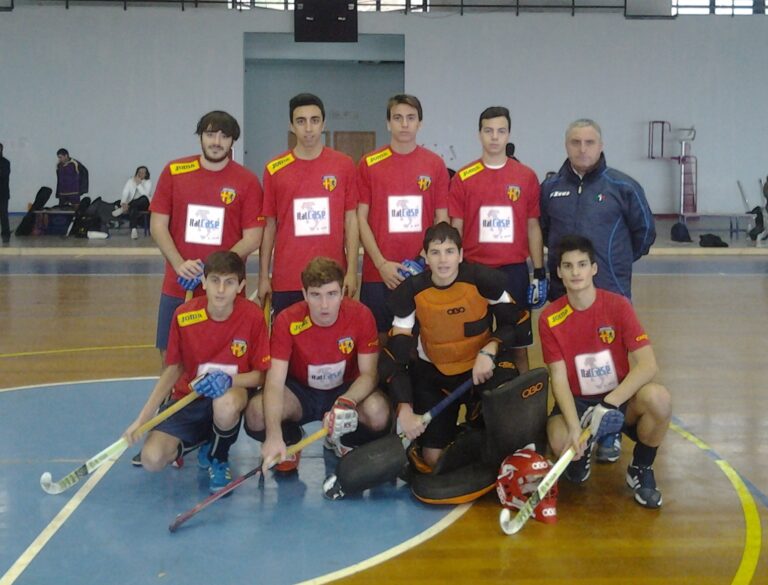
[[325, 21]]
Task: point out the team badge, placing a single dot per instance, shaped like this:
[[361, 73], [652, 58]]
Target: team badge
[[600, 198], [607, 334], [329, 182], [228, 195], [513, 192], [424, 182], [238, 347], [346, 345]]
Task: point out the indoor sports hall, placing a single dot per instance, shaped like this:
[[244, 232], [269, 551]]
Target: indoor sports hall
[[122, 83]]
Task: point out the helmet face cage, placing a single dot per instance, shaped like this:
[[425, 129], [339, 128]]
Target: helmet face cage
[[519, 476]]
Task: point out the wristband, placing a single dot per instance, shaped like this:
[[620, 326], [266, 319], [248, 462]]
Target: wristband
[[539, 273], [488, 353]]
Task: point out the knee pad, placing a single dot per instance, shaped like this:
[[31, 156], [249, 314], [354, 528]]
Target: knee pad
[[458, 486]]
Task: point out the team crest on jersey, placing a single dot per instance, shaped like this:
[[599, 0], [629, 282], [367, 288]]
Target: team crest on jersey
[[228, 195], [424, 182], [329, 182], [607, 334], [346, 345], [191, 317], [299, 326], [513, 192], [238, 347]]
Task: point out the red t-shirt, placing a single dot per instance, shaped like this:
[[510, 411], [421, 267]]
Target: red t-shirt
[[324, 357], [593, 343], [402, 192], [208, 210], [240, 344], [309, 199], [495, 205]]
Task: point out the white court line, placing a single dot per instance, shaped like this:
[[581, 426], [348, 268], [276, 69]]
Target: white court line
[[52, 384]]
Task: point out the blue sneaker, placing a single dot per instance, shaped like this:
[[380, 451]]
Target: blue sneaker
[[204, 456], [609, 448], [641, 480], [579, 471], [219, 474]]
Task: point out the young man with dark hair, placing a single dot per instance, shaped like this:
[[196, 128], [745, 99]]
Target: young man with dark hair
[[310, 203], [403, 190], [324, 357], [494, 203], [587, 338], [465, 317], [222, 336], [202, 204]]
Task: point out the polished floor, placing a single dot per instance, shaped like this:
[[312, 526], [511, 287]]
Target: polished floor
[[77, 317]]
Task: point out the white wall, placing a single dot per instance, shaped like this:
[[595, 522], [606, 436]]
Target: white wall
[[122, 88]]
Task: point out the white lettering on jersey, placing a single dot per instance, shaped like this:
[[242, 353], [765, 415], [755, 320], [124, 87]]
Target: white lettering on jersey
[[497, 225], [311, 217], [404, 213], [596, 372], [326, 376], [559, 194], [205, 225]]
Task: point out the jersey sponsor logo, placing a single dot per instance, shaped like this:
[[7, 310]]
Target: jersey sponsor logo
[[424, 182], [228, 195], [643, 337], [311, 217], [299, 326], [556, 318], [404, 213], [596, 372], [205, 225], [238, 347], [185, 167], [456, 310], [559, 194], [329, 182], [346, 345], [531, 390], [607, 334], [191, 317], [280, 163], [513, 192], [326, 376], [496, 224], [465, 174], [599, 197], [378, 157]]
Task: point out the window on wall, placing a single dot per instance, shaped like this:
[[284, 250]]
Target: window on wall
[[726, 7], [362, 5]]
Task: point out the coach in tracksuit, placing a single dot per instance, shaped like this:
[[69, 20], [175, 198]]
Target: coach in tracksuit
[[588, 198]]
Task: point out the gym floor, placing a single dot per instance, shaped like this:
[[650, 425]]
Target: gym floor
[[77, 362]]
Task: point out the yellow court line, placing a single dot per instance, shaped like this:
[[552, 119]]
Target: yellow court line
[[58, 521], [444, 523], [75, 350], [752, 529]]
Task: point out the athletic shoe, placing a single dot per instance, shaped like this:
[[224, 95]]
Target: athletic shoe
[[290, 465], [609, 448], [134, 234], [579, 471], [117, 212], [641, 480], [204, 456], [336, 446], [219, 474]]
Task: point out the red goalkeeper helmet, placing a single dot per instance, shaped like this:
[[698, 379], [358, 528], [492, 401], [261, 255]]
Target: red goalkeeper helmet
[[519, 476]]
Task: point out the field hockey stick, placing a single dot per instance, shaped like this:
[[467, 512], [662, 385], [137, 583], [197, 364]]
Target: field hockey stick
[[293, 449], [611, 422], [114, 450]]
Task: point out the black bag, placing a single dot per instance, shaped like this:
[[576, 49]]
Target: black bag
[[680, 233], [711, 241], [28, 221]]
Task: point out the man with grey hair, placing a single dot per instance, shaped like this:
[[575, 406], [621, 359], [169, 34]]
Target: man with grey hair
[[590, 199]]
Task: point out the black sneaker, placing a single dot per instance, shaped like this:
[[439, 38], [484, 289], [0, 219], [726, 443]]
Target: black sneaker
[[641, 480], [136, 460], [579, 471], [178, 463], [609, 448]]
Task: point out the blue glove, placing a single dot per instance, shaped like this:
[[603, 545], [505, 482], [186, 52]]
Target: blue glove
[[189, 283], [412, 267], [602, 419], [537, 290], [212, 385]]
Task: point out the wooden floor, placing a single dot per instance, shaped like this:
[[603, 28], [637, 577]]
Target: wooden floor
[[709, 333]]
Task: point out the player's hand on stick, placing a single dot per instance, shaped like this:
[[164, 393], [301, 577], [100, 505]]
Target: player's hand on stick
[[537, 290], [413, 267], [265, 288], [411, 425], [350, 285], [130, 434], [574, 441], [390, 273], [212, 384], [190, 270], [341, 418], [272, 451], [483, 368], [602, 419]]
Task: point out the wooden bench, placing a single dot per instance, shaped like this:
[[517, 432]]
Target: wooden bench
[[56, 221], [737, 222]]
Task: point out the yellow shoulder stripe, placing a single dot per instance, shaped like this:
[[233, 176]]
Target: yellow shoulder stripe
[[279, 163], [470, 171], [556, 318], [191, 317], [299, 326], [378, 157], [185, 167]]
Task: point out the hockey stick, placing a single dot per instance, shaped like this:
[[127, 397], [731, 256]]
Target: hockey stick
[[611, 423], [181, 518], [114, 450]]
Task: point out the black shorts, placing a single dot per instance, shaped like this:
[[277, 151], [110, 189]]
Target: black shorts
[[582, 404], [284, 299], [192, 424], [375, 295], [517, 286], [314, 403]]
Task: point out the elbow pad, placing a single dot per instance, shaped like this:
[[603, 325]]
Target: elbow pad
[[508, 319], [393, 368]]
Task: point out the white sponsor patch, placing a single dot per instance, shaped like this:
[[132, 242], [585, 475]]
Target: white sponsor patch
[[597, 373], [205, 225], [311, 216], [497, 224], [404, 213], [326, 376]]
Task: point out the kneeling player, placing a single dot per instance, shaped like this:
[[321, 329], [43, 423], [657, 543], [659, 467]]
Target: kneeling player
[[586, 338], [224, 337], [324, 358]]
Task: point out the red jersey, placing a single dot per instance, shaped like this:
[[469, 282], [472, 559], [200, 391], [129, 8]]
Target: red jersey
[[402, 192], [240, 344], [324, 357], [308, 199], [495, 205], [208, 210], [593, 343]]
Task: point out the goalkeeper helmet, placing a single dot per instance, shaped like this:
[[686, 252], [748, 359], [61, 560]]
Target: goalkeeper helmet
[[519, 476]]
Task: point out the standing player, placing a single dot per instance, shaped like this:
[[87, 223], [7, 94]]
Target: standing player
[[587, 338], [494, 203], [310, 202], [223, 336], [465, 317], [203, 204], [403, 190], [324, 357]]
